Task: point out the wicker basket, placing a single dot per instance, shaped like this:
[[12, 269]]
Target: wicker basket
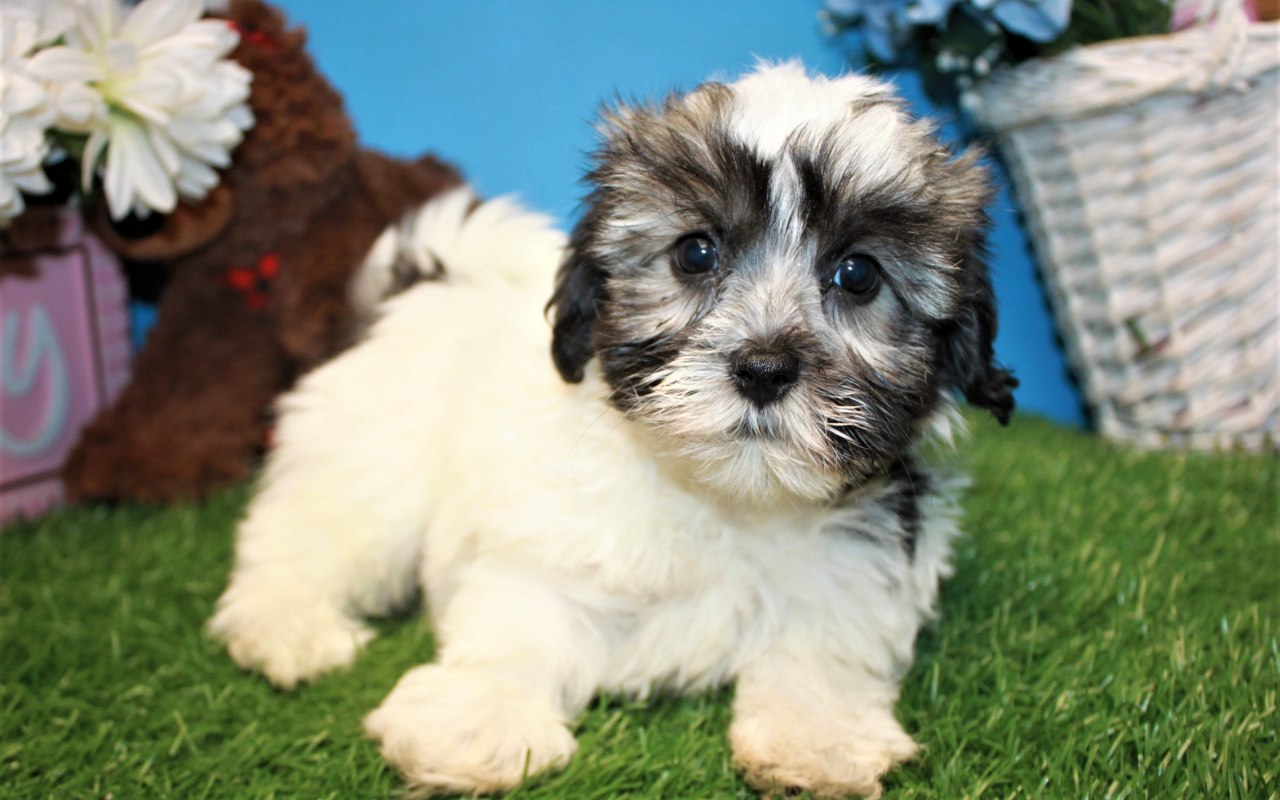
[[1148, 171]]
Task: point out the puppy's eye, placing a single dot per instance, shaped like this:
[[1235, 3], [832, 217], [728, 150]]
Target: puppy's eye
[[696, 254], [858, 275]]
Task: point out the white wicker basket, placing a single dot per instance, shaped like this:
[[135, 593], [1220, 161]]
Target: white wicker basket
[[1148, 170]]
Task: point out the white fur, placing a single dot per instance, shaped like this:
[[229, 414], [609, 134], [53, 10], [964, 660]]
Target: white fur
[[780, 101], [559, 551], [419, 240]]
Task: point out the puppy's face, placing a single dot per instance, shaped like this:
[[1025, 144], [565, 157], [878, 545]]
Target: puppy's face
[[782, 279]]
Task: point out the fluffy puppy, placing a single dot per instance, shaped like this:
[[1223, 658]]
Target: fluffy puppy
[[775, 289]]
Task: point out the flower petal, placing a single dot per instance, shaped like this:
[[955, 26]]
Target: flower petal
[[1038, 21], [63, 64], [134, 171], [153, 20], [153, 95], [11, 202], [89, 158], [21, 95], [95, 24], [930, 12], [33, 181], [57, 18], [78, 108], [196, 179], [28, 24], [208, 39], [164, 149]]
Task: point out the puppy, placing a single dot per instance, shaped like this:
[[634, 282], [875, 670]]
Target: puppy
[[720, 475]]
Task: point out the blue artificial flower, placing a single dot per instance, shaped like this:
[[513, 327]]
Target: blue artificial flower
[[930, 12], [845, 8], [884, 25], [1038, 20]]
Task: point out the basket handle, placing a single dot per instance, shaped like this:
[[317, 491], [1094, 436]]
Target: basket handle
[[1222, 51], [1227, 26], [1230, 26]]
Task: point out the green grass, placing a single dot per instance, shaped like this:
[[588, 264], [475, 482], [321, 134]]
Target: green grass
[[1111, 633]]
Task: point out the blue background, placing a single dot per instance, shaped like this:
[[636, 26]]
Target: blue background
[[507, 91]]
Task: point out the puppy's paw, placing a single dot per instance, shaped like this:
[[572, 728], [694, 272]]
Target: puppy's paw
[[289, 638], [451, 731], [829, 756]]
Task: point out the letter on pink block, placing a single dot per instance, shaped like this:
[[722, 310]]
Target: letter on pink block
[[63, 355]]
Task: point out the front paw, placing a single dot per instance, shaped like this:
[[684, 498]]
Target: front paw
[[288, 636], [827, 753], [453, 731]]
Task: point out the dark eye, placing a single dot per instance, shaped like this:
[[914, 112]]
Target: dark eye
[[858, 275], [696, 254]]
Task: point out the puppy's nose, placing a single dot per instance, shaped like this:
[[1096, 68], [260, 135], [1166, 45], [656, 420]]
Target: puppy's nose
[[764, 376]]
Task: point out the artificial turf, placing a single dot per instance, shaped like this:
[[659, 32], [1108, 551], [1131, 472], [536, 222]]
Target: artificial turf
[[1111, 632]]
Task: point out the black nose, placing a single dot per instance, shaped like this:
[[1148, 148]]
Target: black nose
[[763, 376]]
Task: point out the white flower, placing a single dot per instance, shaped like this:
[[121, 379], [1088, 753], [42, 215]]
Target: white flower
[[26, 107], [28, 24], [22, 152], [173, 107]]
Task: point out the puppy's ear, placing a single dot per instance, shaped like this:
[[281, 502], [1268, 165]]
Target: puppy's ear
[[579, 293], [967, 357], [966, 350]]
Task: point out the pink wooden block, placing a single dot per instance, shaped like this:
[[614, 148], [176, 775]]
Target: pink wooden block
[[64, 354]]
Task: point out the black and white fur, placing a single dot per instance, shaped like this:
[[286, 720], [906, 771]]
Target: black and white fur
[[722, 478]]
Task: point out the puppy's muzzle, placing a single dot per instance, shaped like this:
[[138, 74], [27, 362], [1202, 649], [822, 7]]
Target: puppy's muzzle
[[763, 376]]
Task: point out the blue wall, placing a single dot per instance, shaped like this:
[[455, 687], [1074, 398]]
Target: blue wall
[[507, 90]]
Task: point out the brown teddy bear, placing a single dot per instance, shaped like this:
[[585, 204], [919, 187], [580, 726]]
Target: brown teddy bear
[[258, 281]]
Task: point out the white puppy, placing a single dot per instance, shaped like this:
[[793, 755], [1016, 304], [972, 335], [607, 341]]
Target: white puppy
[[774, 290]]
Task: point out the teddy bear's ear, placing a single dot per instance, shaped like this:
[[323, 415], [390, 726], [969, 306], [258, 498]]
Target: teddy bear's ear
[[162, 237], [302, 136]]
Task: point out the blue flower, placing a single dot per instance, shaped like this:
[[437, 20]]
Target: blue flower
[[930, 12], [886, 25], [1038, 20]]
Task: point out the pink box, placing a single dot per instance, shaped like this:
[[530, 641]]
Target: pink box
[[64, 354]]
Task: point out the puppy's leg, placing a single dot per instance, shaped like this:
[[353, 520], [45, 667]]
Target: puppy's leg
[[519, 661], [287, 611], [804, 720], [333, 532]]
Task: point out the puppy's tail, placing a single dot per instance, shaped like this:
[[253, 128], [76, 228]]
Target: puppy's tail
[[456, 236]]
